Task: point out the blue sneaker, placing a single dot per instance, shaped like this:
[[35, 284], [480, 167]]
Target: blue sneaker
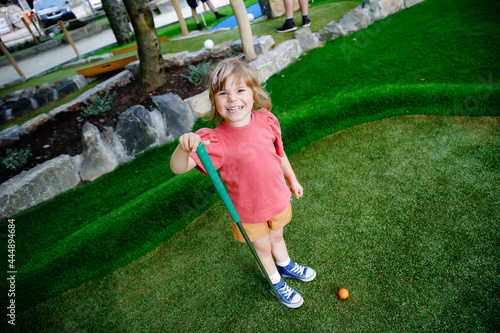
[[297, 271], [288, 296]]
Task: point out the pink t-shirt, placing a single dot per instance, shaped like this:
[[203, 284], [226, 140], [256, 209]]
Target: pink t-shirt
[[249, 159]]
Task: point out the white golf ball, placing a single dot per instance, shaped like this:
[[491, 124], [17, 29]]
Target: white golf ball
[[250, 17], [208, 44]]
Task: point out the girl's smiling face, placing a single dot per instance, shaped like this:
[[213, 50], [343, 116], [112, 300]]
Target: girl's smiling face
[[235, 102]]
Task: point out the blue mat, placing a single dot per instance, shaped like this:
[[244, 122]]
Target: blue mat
[[230, 22]]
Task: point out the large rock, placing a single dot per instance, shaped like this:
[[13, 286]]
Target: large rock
[[221, 50], [46, 96], [80, 80], [263, 44], [276, 60], [97, 157], [31, 125], [10, 135], [409, 3], [66, 87], [24, 105], [174, 59], [354, 20], [199, 104], [307, 39], [135, 130], [331, 31], [39, 184], [380, 9], [196, 56], [177, 114]]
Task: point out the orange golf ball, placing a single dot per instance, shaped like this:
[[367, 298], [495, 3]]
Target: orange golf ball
[[343, 293]]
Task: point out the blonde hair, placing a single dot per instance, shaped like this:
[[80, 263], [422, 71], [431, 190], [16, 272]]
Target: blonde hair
[[243, 71]]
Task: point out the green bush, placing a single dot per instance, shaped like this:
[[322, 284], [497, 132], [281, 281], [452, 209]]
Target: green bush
[[196, 74], [99, 105], [16, 159]]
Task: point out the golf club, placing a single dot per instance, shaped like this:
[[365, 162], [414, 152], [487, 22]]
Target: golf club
[[219, 186]]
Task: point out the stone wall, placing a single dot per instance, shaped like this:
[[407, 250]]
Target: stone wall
[[139, 129]]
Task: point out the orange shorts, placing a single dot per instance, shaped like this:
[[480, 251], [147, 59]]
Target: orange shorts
[[259, 230]]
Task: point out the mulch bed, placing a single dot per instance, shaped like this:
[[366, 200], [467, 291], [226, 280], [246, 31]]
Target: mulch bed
[[64, 134]]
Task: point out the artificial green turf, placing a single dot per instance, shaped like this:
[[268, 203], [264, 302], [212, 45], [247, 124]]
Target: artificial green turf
[[141, 204], [402, 212]]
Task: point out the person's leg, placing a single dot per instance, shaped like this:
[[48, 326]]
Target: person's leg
[[263, 248], [289, 25], [304, 7], [286, 294], [210, 5], [286, 266], [212, 8], [289, 8], [195, 15], [278, 245]]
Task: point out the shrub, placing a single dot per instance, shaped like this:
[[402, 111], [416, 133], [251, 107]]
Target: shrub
[[99, 105], [16, 159], [196, 74]]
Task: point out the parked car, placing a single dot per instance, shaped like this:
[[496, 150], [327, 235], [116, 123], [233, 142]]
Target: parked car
[[95, 4], [49, 12], [5, 24]]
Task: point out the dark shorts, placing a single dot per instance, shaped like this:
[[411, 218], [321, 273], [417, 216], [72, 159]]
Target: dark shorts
[[194, 3]]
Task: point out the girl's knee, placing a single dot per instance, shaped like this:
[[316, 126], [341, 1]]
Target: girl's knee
[[276, 236]]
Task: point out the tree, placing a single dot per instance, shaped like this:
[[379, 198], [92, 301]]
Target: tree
[[118, 21], [241, 15], [151, 65]]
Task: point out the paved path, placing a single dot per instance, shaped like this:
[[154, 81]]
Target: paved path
[[64, 53]]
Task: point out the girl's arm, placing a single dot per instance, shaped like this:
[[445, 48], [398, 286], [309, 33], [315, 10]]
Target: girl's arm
[[295, 187], [180, 162]]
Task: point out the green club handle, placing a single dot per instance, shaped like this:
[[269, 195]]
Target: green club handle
[[212, 173]]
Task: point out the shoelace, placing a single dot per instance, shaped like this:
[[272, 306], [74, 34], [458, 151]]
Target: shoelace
[[286, 291], [298, 269]]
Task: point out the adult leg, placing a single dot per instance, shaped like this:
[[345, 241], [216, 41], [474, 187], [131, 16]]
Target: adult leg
[[289, 25], [289, 8], [212, 8], [210, 5], [195, 15], [304, 7]]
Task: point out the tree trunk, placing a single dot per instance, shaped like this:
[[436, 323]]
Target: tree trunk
[[241, 15], [151, 65], [118, 21]]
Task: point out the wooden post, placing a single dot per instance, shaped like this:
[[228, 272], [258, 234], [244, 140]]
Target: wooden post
[[29, 29], [11, 59], [63, 28], [182, 22], [91, 8], [240, 12]]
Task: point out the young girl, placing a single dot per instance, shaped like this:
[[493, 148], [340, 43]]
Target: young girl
[[247, 147]]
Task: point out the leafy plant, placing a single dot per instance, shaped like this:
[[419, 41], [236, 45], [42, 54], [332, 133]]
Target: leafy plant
[[16, 159], [99, 105], [196, 74]]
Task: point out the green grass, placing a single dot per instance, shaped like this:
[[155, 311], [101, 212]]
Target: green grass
[[382, 216], [107, 224]]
